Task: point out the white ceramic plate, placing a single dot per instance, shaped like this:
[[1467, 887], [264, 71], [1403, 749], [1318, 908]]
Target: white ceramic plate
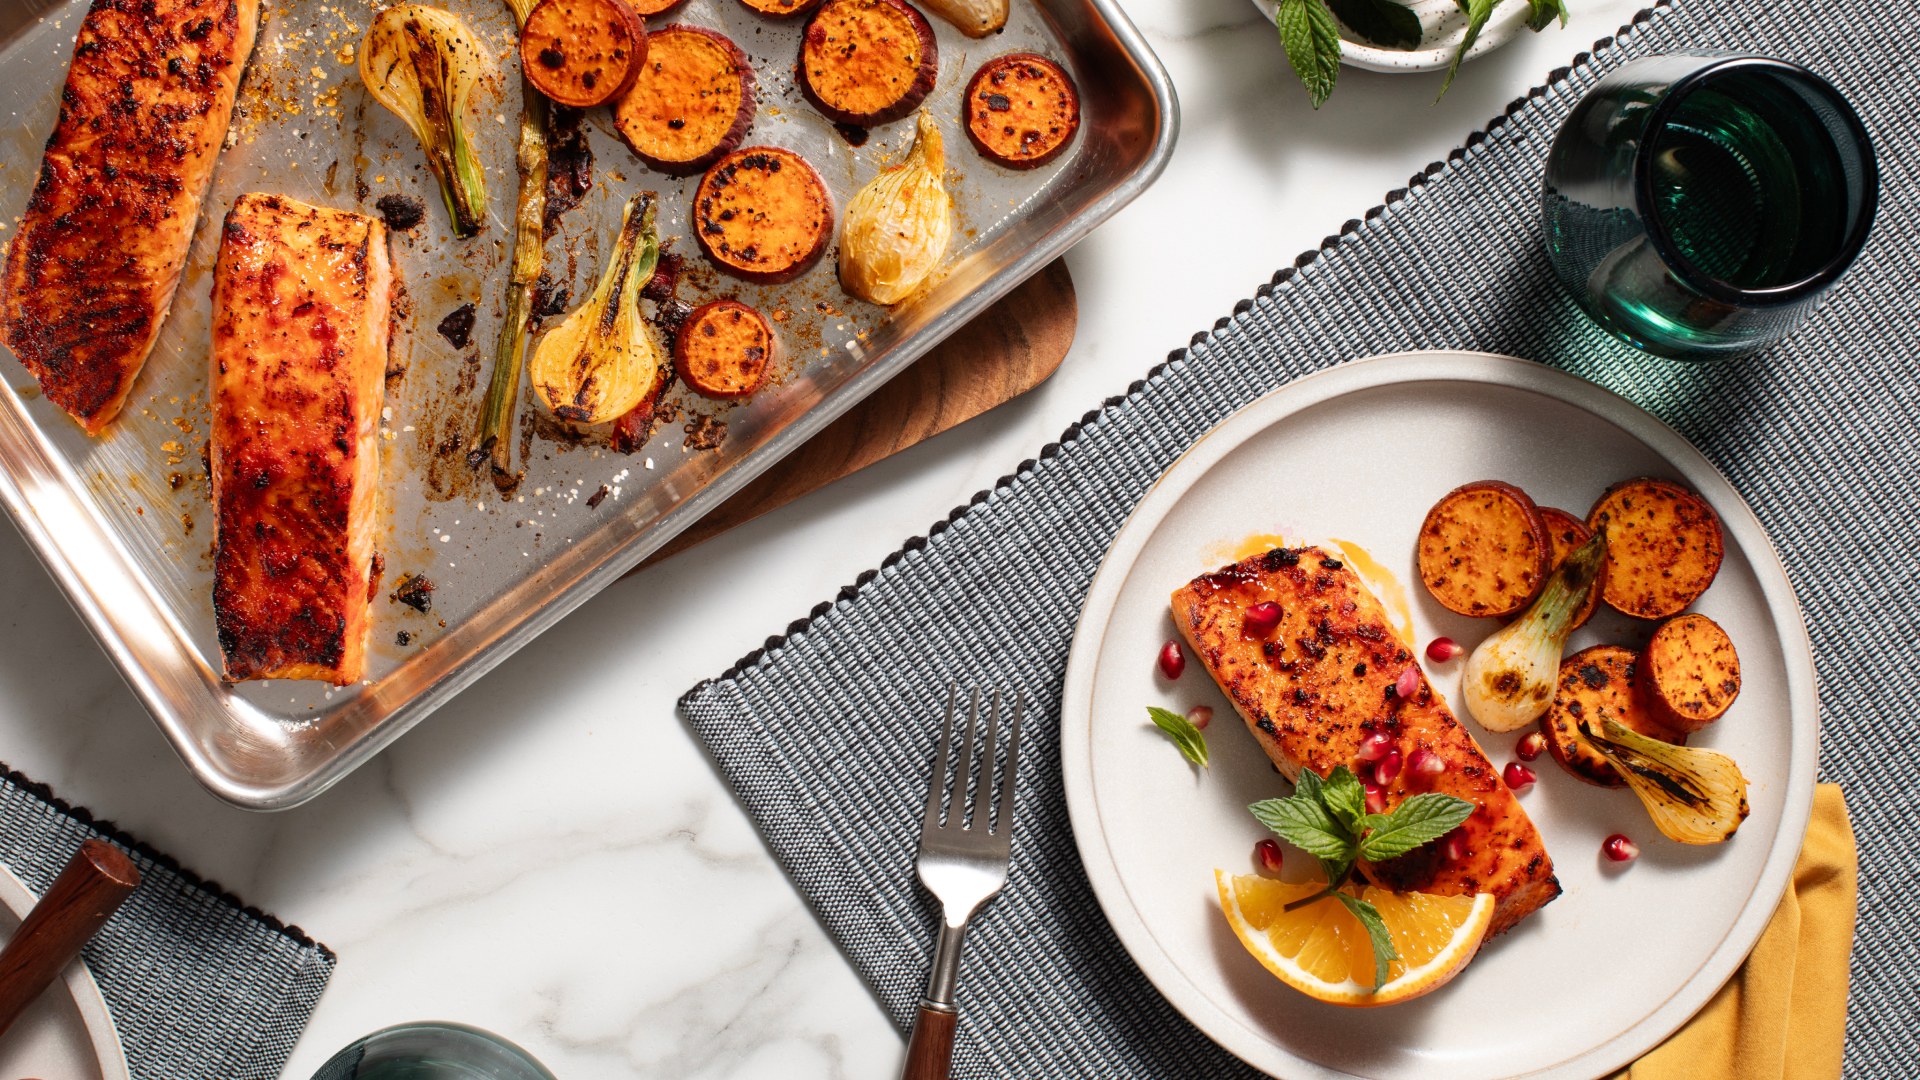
[[1358, 453], [1443, 26], [67, 1033]]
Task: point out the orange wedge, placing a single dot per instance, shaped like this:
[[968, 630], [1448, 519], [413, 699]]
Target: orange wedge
[[1322, 951]]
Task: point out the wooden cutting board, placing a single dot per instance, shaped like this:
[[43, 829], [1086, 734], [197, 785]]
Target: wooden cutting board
[[1008, 350]]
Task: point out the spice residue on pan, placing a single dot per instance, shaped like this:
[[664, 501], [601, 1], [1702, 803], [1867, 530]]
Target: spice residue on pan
[[569, 164], [415, 591], [594, 500], [400, 212], [457, 327], [704, 432]]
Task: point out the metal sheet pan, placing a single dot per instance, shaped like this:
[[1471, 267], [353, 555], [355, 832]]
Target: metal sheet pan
[[124, 524]]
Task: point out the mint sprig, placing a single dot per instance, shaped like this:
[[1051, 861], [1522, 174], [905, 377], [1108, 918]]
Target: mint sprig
[[1327, 818], [1311, 36], [1192, 744]]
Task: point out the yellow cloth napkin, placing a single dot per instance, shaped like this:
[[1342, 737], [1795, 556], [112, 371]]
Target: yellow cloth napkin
[[1783, 1015]]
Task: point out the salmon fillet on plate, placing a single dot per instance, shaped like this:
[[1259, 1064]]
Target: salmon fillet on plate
[[1323, 680], [93, 266]]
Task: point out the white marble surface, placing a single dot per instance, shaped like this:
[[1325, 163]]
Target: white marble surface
[[551, 856]]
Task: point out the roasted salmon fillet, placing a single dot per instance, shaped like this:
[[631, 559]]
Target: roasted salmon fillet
[[1323, 680], [98, 254], [302, 300]]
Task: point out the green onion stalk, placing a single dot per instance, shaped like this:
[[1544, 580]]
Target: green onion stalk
[[529, 253]]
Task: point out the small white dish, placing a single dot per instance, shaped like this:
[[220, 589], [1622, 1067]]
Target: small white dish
[[1356, 454], [68, 1032], [1443, 25]]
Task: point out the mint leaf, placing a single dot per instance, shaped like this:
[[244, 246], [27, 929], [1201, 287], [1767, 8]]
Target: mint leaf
[[1383, 950], [1541, 13], [1420, 820], [1304, 823], [1306, 785], [1383, 22], [1343, 796], [1192, 744], [1478, 12], [1312, 41]]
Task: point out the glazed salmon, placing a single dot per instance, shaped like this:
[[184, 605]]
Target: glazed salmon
[[301, 311], [1323, 680], [93, 267]]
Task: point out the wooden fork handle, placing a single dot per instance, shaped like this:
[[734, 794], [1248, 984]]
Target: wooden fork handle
[[930, 1051], [82, 897]]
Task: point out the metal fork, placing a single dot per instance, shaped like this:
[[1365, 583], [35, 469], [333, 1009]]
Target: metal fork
[[963, 864]]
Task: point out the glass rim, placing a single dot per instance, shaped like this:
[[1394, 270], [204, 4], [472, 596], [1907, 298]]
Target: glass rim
[[1689, 272], [499, 1042]]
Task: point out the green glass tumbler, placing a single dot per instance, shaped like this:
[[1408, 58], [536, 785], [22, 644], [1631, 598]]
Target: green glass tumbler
[[1698, 205], [432, 1051]]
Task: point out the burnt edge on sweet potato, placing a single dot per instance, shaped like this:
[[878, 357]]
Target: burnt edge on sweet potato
[[1597, 683], [705, 363], [712, 218], [1648, 576], [824, 49], [631, 127], [1518, 563], [985, 98]]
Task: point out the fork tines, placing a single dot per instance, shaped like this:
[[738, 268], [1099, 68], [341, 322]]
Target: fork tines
[[971, 790]]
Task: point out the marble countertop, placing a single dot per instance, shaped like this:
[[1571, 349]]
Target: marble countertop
[[551, 856]]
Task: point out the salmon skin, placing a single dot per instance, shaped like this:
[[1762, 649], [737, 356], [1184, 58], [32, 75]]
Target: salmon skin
[[1323, 680], [92, 270], [302, 301]]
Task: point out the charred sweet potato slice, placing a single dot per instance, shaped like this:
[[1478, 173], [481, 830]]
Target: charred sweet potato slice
[[781, 9], [647, 9], [1689, 673], [723, 349], [762, 213], [692, 103], [1664, 546], [867, 62], [1484, 550], [1021, 110], [582, 52], [1597, 684], [1564, 534]]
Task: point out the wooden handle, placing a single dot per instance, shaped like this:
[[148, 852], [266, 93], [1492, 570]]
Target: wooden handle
[[85, 894], [930, 1051]]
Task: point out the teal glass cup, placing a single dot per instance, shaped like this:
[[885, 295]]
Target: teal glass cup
[[1698, 206], [432, 1051]]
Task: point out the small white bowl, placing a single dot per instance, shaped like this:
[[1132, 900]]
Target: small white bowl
[[1442, 23]]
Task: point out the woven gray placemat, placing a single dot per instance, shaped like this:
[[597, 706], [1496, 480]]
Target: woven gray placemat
[[200, 987], [1820, 435]]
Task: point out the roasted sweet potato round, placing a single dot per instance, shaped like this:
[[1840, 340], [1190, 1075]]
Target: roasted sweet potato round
[[692, 103], [582, 52], [1566, 533], [1664, 546], [1597, 684], [1689, 673], [762, 213], [1021, 110], [647, 9], [723, 349], [781, 9], [1484, 550], [867, 62]]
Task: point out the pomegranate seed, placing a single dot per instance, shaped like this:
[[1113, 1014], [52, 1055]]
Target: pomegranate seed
[[1172, 660], [1442, 649], [1426, 764], [1261, 618], [1453, 846], [1617, 848], [1374, 747], [1376, 798], [1268, 854], [1518, 776], [1408, 684], [1531, 747], [1387, 768], [1200, 716]]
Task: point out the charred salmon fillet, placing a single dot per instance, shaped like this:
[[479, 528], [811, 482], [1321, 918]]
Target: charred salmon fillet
[[92, 269], [1323, 680], [301, 309]]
